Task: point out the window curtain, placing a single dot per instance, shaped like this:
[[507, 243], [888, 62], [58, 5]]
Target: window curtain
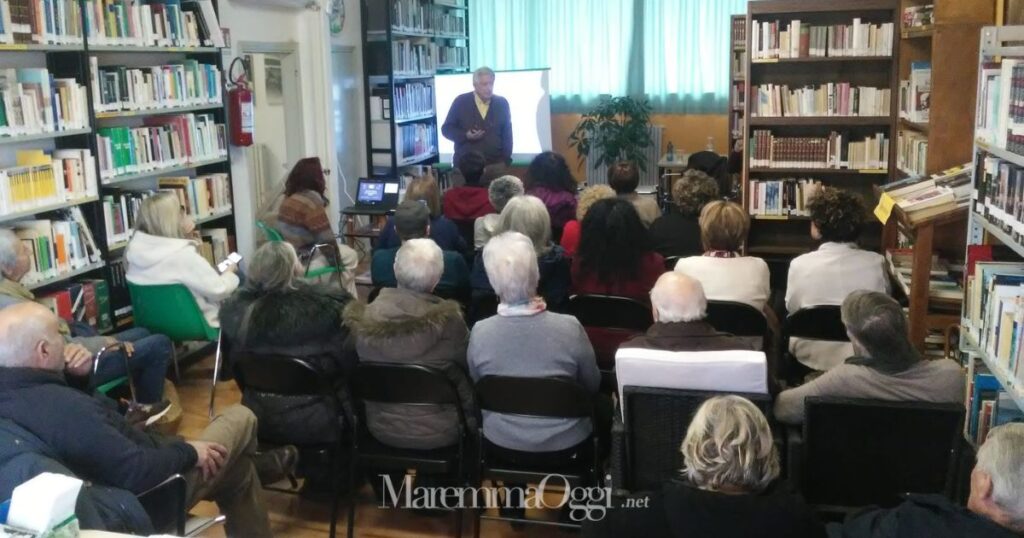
[[673, 52]]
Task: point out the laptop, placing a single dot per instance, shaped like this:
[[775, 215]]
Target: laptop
[[375, 197]]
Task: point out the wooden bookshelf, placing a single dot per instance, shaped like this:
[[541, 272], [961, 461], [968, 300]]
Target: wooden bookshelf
[[788, 237], [737, 88]]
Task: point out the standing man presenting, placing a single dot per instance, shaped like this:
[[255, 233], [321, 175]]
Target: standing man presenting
[[480, 121]]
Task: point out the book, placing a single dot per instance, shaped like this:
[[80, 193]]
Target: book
[[915, 93], [784, 197], [41, 180], [162, 142], [835, 151], [831, 99], [189, 83], [796, 39], [998, 195], [912, 153], [153, 23], [56, 246], [33, 101]]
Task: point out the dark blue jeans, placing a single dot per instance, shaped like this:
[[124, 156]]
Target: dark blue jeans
[[153, 352]]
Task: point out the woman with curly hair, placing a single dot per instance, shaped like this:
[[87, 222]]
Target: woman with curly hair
[[677, 233], [830, 273], [571, 233], [614, 257], [550, 179]]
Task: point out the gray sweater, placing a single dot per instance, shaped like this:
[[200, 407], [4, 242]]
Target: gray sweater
[[935, 381], [541, 345]]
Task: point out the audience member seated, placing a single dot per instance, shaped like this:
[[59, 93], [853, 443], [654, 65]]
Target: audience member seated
[[549, 179], [443, 231], [499, 192], [412, 221], [409, 325], [525, 340], [98, 445], [149, 353], [527, 215], [469, 201], [571, 233], [614, 257], [827, 275], [885, 365], [725, 275], [995, 508], [624, 177], [683, 351], [677, 233], [276, 313], [162, 251], [728, 486]]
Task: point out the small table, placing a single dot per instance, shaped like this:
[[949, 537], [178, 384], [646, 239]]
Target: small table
[[352, 232], [667, 171]]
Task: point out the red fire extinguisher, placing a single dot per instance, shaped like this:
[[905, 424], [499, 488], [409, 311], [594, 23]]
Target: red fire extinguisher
[[241, 109]]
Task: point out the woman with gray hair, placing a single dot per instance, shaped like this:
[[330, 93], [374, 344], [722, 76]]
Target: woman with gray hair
[[500, 191], [163, 251], [728, 486], [885, 365], [277, 313], [528, 216]]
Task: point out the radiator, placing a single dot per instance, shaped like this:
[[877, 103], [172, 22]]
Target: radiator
[[598, 174]]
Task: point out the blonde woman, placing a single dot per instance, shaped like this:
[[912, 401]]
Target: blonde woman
[[162, 251], [571, 233], [728, 485]]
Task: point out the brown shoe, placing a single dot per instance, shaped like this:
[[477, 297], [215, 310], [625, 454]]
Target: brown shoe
[[275, 465]]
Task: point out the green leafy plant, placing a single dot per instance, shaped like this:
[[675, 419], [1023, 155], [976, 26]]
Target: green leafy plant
[[616, 129]]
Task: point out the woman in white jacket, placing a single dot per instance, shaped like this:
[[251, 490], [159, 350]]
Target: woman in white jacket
[[161, 251]]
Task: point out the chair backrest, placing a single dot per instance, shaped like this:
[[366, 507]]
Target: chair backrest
[[165, 504], [670, 262], [718, 371], [870, 452], [482, 307], [534, 397], [279, 374], [740, 319], [171, 310], [611, 312], [655, 421], [370, 297], [272, 234], [823, 322], [408, 384]]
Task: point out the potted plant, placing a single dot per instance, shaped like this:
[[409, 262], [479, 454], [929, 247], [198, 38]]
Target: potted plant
[[616, 129]]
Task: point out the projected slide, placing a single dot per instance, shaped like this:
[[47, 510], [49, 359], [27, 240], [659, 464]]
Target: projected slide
[[528, 99]]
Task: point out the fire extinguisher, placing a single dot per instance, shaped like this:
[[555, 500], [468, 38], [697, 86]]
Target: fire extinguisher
[[240, 107]]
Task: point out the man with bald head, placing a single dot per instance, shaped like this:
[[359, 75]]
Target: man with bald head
[[98, 445], [679, 307]]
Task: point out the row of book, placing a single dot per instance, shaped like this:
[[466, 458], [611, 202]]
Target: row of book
[[155, 23], [739, 31], [413, 99], [943, 281], [994, 309], [783, 197], [201, 196], [410, 58], [987, 403], [161, 142], [739, 95], [452, 57], [39, 180], [912, 153], [33, 101], [924, 197], [772, 39], [415, 140], [832, 99], [57, 22], [119, 212], [915, 93], [999, 195], [57, 246], [832, 152], [188, 83], [998, 119], [86, 301], [420, 17]]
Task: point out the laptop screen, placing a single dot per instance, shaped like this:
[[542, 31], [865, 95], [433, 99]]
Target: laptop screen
[[370, 192]]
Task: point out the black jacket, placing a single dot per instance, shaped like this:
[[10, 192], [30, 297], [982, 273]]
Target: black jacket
[[304, 323], [682, 511], [675, 234], [463, 116], [933, 516], [93, 441]]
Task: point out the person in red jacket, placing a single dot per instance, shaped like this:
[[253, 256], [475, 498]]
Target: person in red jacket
[[469, 201], [614, 256]]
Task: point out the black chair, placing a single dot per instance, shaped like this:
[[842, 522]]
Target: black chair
[[823, 322], [858, 453], [609, 321], [671, 261], [482, 306], [166, 506], [534, 397], [645, 444], [739, 319], [372, 296], [291, 376], [412, 385]]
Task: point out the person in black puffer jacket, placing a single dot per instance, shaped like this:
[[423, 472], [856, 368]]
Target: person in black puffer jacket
[[276, 313]]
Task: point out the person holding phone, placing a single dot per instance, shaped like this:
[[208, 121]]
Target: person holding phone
[[481, 121]]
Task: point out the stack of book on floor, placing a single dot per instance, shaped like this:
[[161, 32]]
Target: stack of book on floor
[[928, 197], [943, 281]]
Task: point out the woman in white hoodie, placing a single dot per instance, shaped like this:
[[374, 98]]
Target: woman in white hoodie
[[162, 251]]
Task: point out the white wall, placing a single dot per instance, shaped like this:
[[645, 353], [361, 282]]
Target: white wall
[[351, 37]]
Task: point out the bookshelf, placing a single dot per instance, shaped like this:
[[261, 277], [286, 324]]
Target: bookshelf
[[405, 43], [139, 47], [782, 121], [949, 35], [985, 318], [737, 86]]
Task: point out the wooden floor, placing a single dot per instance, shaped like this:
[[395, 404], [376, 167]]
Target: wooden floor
[[294, 516]]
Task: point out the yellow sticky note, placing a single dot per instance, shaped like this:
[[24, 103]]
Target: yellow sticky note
[[884, 208]]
